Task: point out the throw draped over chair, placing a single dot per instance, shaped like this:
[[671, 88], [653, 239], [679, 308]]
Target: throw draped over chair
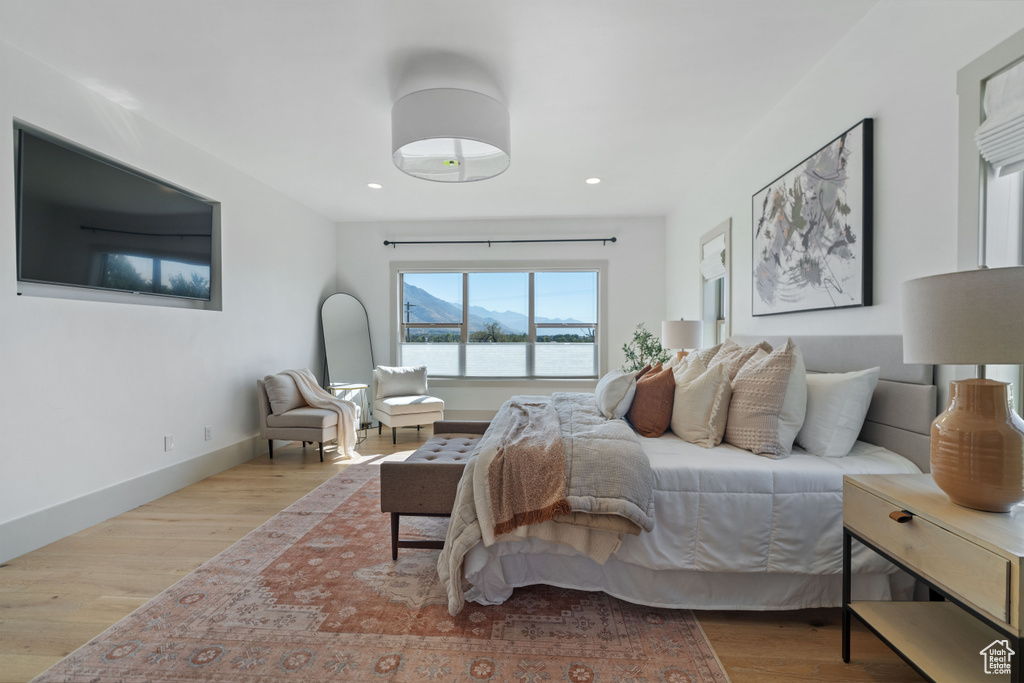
[[400, 398], [285, 415]]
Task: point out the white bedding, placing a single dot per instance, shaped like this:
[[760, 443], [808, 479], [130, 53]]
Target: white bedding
[[732, 531]]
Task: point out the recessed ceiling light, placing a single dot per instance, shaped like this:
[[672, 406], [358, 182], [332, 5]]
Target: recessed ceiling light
[[593, 181], [374, 186]]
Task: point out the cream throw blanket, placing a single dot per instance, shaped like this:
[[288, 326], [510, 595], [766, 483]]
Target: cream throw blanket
[[348, 412]]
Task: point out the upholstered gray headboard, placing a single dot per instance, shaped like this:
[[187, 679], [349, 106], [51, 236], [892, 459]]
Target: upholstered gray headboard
[[905, 401]]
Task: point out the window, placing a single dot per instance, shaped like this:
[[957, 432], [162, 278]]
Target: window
[[990, 201], [135, 273], [522, 323]]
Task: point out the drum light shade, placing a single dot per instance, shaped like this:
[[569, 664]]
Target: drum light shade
[[450, 135], [974, 317], [682, 334]]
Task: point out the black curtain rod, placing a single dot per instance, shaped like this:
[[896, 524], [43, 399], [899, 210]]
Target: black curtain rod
[[602, 240], [145, 234]]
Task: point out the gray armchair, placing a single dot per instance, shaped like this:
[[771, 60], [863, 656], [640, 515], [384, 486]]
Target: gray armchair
[[284, 415]]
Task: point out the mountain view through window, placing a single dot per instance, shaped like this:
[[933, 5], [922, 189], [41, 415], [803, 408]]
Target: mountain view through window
[[500, 324]]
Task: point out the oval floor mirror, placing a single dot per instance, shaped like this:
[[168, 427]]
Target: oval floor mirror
[[347, 345]]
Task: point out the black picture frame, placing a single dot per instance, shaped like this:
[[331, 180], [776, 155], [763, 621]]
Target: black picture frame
[[812, 230]]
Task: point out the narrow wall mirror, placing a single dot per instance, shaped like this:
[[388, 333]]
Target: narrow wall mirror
[[347, 343], [714, 282]]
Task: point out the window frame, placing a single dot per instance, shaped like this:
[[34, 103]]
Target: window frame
[[972, 175], [397, 327]]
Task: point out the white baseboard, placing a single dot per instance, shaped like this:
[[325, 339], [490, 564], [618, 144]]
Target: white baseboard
[[24, 534]]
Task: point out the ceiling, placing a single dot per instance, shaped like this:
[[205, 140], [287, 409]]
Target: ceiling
[[644, 94]]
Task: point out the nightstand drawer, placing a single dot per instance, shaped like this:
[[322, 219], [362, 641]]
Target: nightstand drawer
[[966, 569]]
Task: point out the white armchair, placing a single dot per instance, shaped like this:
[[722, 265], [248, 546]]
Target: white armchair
[[400, 398]]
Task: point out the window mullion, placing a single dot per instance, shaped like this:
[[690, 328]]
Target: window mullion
[[531, 331], [464, 330]]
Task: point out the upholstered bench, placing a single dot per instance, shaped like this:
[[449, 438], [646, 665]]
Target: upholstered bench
[[424, 484]]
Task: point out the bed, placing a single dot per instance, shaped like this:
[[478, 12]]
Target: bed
[[735, 530]]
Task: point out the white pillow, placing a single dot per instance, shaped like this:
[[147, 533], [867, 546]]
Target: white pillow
[[283, 394], [794, 406], [399, 381], [836, 406], [701, 404], [615, 392]]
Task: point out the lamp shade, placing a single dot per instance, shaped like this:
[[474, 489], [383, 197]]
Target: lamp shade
[[682, 334], [450, 135], [973, 317]]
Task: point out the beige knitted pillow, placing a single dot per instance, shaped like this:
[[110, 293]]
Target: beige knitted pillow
[[769, 398], [707, 354], [701, 404], [736, 356]]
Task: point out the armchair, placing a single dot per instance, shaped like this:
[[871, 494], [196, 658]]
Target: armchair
[[400, 398]]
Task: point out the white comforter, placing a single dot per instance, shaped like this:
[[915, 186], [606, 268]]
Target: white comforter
[[722, 517]]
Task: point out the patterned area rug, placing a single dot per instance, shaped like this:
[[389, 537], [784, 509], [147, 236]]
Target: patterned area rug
[[313, 595]]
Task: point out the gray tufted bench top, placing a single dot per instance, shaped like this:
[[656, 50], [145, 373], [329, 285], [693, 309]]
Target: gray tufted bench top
[[426, 481]]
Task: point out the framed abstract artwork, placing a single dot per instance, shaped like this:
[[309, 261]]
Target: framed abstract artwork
[[812, 230]]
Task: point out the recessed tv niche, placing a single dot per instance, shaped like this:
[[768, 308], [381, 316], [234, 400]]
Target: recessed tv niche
[[85, 221]]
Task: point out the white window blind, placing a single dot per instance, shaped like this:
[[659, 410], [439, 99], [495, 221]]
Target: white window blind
[[1001, 136], [712, 265]]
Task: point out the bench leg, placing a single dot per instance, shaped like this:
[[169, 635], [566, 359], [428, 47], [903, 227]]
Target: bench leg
[[271, 442], [394, 535], [394, 438], [380, 428], [321, 451]]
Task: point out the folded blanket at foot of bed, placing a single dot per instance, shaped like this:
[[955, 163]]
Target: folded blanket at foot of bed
[[607, 483]]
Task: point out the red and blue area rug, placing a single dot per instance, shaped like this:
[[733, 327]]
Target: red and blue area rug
[[313, 595]]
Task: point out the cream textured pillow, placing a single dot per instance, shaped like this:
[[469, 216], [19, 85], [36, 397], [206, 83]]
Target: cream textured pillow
[[614, 393], [701, 404], [736, 356], [283, 394], [707, 354], [399, 381], [769, 398], [837, 404]]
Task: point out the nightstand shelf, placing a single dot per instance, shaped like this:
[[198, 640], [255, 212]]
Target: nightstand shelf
[[971, 560], [940, 640]]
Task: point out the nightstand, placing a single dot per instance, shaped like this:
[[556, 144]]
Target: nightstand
[[971, 562]]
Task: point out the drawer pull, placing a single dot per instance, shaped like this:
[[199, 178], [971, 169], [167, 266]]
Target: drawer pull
[[901, 516]]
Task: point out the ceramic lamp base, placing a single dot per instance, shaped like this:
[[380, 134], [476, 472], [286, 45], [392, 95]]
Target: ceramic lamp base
[[977, 447]]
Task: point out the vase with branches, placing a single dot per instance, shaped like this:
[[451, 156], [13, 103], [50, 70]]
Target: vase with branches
[[643, 349]]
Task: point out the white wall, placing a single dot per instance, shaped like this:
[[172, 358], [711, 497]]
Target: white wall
[[635, 280], [89, 389], [897, 66]]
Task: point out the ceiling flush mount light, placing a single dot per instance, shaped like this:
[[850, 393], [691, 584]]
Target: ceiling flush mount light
[[450, 135], [374, 186], [593, 181]]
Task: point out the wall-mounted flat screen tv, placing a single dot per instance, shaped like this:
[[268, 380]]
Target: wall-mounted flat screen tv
[[84, 221]]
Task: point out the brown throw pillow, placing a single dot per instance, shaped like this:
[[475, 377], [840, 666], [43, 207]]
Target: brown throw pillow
[[651, 411], [643, 371], [736, 356]]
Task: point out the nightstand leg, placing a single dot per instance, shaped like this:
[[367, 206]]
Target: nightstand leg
[[1015, 667], [847, 541]]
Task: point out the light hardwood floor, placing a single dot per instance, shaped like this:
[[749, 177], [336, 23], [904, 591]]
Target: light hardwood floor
[[53, 600]]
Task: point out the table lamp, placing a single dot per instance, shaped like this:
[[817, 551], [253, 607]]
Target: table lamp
[[682, 335], [972, 318]]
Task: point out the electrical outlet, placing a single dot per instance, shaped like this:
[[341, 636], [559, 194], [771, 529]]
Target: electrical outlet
[[168, 443], [209, 432]]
